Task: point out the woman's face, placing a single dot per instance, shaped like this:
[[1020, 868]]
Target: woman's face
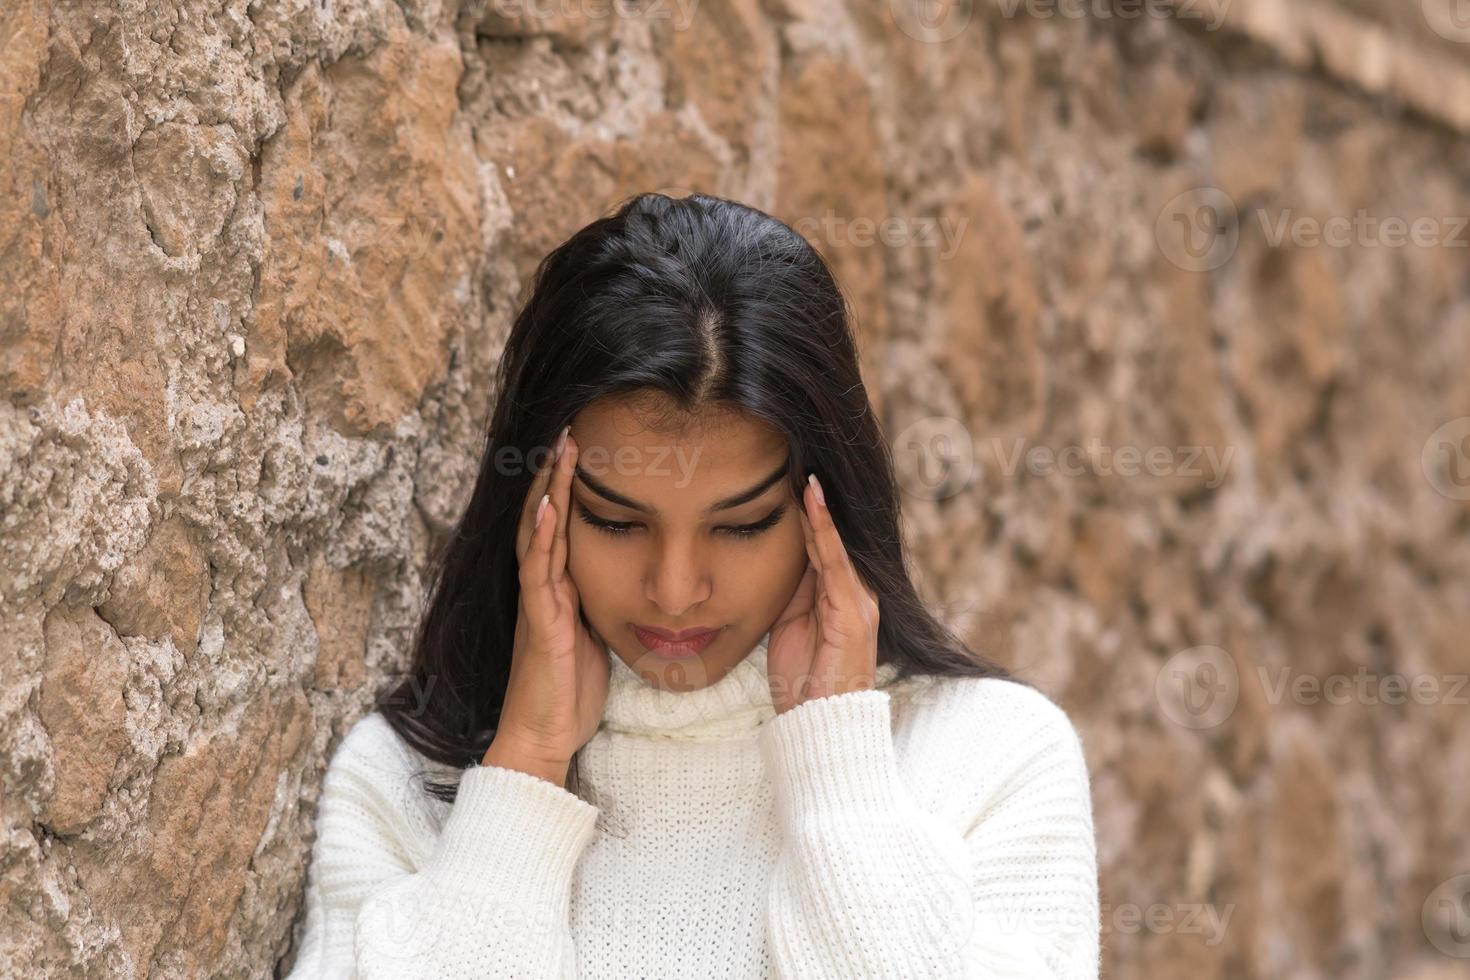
[[704, 534]]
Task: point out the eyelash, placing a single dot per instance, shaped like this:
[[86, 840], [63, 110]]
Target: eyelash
[[617, 529]]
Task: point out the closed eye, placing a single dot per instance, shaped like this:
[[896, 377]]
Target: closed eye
[[740, 531]]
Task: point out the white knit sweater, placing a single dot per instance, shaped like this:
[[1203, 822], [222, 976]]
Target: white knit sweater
[[932, 828]]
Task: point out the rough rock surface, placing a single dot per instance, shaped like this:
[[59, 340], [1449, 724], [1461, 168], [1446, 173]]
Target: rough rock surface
[[257, 259]]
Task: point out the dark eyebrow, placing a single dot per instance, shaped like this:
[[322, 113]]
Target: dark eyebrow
[[743, 497]]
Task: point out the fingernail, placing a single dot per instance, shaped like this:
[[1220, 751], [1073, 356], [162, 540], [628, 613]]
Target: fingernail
[[561, 440], [541, 508], [812, 479]]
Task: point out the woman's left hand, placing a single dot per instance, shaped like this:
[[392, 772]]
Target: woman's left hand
[[826, 639]]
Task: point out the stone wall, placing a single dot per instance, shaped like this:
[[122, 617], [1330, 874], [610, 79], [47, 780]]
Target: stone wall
[[1183, 422]]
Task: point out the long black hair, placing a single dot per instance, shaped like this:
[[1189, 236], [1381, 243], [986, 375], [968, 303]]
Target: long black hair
[[713, 304]]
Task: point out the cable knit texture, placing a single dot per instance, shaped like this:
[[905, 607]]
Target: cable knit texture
[[934, 827]]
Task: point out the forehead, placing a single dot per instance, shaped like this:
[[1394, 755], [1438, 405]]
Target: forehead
[[642, 445]]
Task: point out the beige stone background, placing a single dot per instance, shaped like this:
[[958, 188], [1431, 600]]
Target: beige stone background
[[257, 259]]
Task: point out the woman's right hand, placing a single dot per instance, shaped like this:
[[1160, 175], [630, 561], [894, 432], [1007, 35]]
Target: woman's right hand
[[559, 668]]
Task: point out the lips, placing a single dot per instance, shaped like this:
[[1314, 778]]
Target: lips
[[668, 643]]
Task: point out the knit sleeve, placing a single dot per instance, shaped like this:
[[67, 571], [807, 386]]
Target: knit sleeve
[[490, 897], [870, 884]]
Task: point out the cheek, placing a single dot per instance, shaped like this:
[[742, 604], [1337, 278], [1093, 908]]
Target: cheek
[[781, 564], [793, 546], [584, 559]]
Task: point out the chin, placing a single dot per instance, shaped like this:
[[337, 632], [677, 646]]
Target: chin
[[680, 676]]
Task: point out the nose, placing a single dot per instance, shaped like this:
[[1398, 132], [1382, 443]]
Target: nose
[[677, 578]]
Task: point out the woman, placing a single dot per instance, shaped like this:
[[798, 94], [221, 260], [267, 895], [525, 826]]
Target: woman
[[687, 715]]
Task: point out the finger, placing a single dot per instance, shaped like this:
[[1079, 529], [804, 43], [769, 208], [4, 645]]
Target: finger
[[806, 530], [839, 577], [561, 495], [538, 487], [814, 560], [535, 569], [802, 599]]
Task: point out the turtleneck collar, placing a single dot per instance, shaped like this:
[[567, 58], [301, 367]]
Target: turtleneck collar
[[738, 703]]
